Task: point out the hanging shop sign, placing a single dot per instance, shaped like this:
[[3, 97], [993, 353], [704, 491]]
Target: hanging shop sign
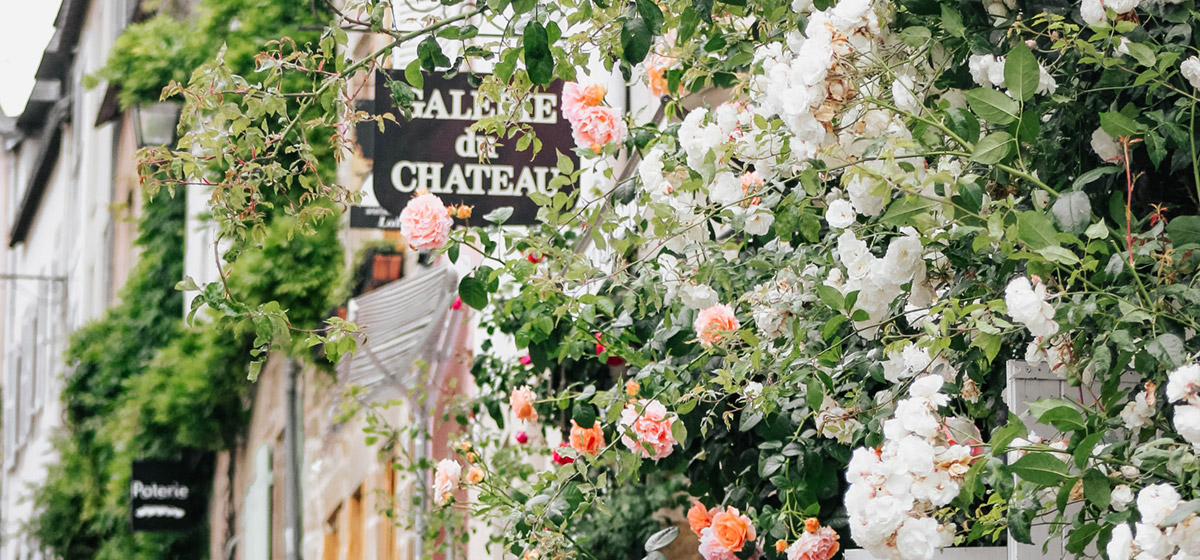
[[163, 497], [437, 151]]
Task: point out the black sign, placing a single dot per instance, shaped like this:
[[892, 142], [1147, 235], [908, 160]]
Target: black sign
[[437, 150], [163, 496]]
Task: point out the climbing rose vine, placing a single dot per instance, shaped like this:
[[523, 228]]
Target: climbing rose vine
[[794, 280]]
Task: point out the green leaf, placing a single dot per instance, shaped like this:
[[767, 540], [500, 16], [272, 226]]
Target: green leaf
[[473, 292], [1184, 230], [952, 22], [963, 124], [651, 13], [429, 52], [687, 25], [635, 40], [662, 538], [1118, 125], [1097, 489], [1005, 434], [993, 148], [1072, 211], [1141, 53], [992, 105], [1094, 174], [1084, 450], [1065, 418], [1035, 229], [815, 395], [584, 415], [499, 215], [903, 211], [1040, 468], [539, 62], [1021, 72], [412, 73]]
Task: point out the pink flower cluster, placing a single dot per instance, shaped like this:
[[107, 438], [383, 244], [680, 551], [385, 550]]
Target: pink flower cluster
[[593, 125], [652, 427], [425, 222], [714, 323]]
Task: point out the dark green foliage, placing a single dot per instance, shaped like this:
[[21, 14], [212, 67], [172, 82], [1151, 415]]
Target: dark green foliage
[[621, 532]]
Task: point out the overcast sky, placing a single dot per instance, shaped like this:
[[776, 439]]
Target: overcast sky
[[25, 28]]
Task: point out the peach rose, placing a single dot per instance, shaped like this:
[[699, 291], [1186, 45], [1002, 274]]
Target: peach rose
[[587, 440], [576, 97], [445, 479], [475, 475], [821, 544], [595, 127], [521, 402], [700, 517], [425, 222], [731, 529], [632, 388], [652, 427], [712, 323]]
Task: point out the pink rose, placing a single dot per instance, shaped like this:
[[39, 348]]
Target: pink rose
[[595, 127], [445, 480], [821, 544], [425, 222], [576, 97], [714, 323], [652, 426]]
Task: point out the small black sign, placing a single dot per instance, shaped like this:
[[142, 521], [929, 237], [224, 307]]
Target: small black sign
[[163, 496], [437, 151]]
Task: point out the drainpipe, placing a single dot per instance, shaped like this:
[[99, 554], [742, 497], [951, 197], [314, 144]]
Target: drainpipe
[[293, 518]]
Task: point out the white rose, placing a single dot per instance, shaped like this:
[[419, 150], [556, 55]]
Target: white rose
[[1187, 422], [1156, 502], [840, 214], [1120, 546], [1106, 146], [1121, 6], [758, 222], [1183, 382], [1190, 69], [1027, 305], [698, 296], [726, 189], [915, 416], [1092, 12], [1046, 83], [1137, 412], [902, 94], [1122, 496], [1150, 542], [918, 539]]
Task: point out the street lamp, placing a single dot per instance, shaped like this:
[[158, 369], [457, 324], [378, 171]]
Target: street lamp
[[155, 124]]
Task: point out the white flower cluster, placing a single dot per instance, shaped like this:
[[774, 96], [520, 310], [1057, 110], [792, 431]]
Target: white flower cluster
[[1183, 386], [1153, 541], [776, 301], [878, 281], [894, 491], [1057, 351], [1026, 302], [806, 90]]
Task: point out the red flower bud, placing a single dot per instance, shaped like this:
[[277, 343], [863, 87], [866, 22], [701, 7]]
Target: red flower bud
[[522, 438], [560, 459]]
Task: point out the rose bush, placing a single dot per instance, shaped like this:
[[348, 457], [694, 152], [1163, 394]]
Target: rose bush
[[850, 216]]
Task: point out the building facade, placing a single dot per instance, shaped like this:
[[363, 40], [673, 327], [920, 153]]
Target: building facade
[[68, 185]]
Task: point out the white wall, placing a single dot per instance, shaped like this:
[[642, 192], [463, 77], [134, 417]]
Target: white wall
[[70, 237]]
